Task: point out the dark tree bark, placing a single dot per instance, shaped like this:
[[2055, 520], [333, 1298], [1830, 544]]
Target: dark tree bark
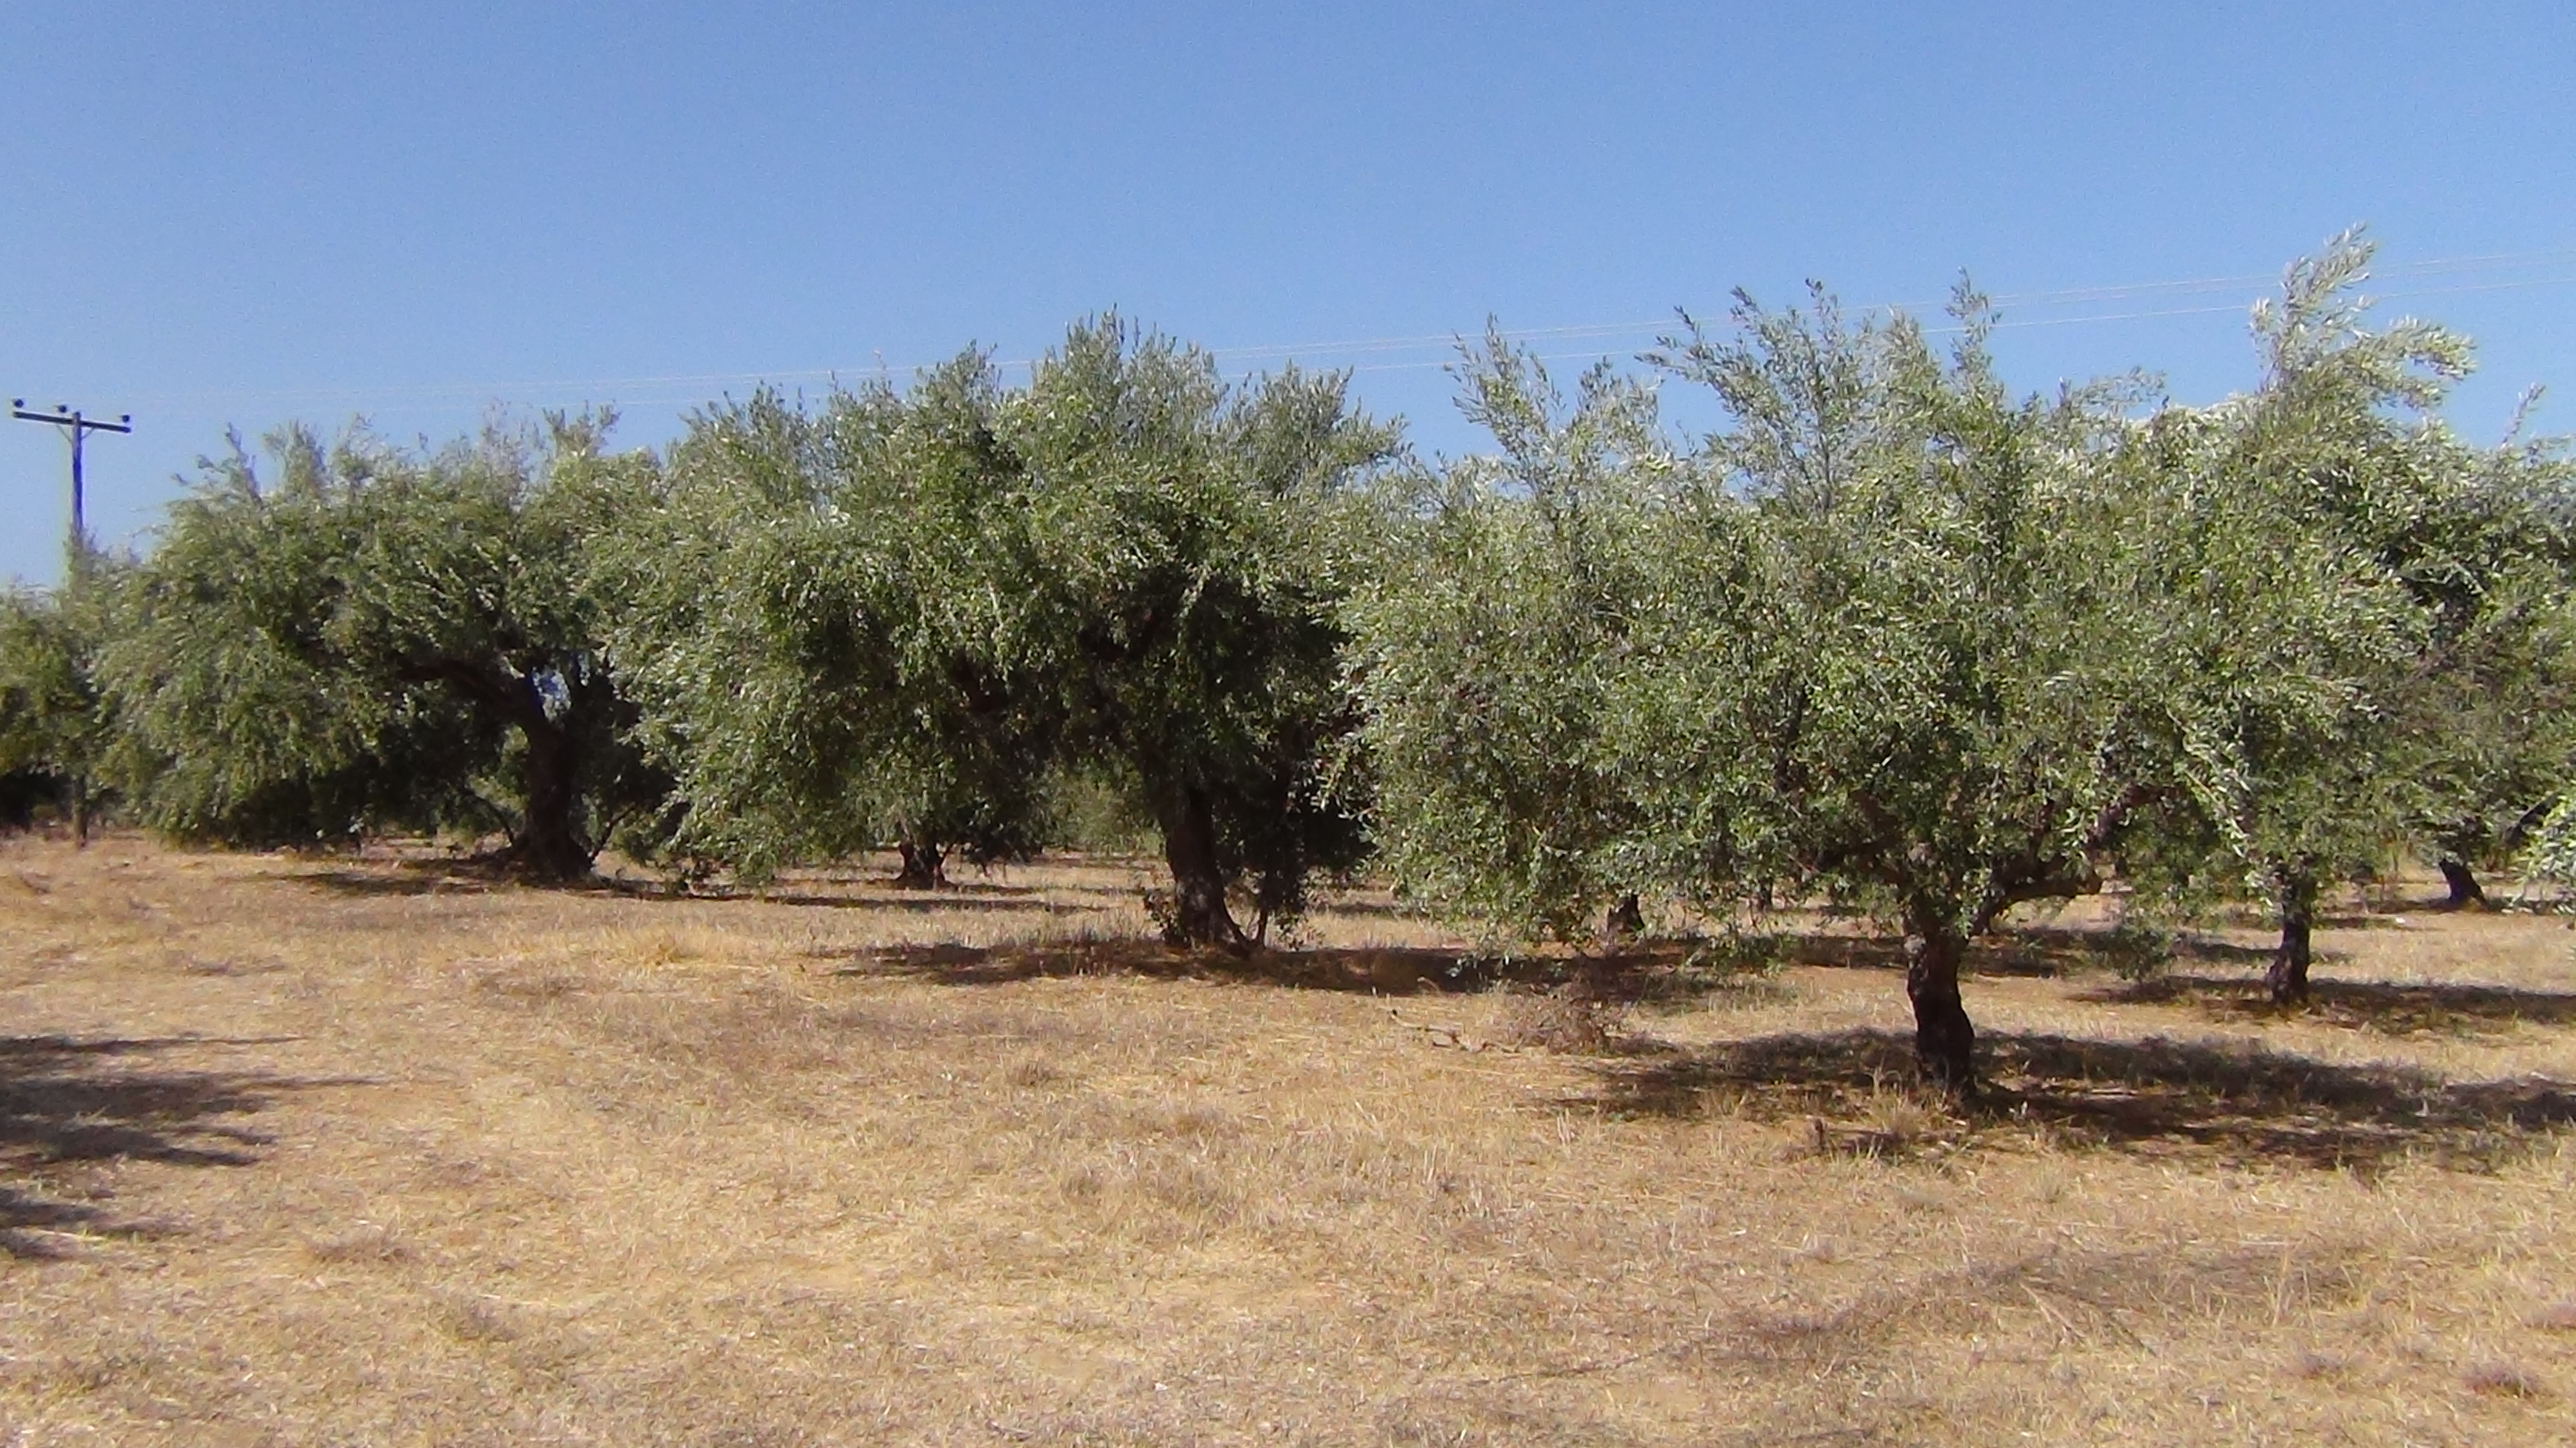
[[80, 811], [1624, 924], [925, 866], [550, 844], [1199, 915], [2289, 973], [2466, 893], [1945, 1042]]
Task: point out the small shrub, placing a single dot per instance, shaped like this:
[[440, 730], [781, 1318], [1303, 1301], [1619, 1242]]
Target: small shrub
[[2503, 1380], [2138, 950], [1568, 1021], [1738, 953], [2559, 1316]]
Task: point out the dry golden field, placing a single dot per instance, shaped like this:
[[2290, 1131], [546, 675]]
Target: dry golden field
[[331, 1151]]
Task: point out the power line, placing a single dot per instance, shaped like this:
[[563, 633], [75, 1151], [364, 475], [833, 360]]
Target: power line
[[2041, 300], [2230, 307]]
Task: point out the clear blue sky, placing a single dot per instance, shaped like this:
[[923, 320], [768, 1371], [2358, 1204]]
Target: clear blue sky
[[240, 213]]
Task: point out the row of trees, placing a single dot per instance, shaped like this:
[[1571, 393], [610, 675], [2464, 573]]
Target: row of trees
[[1898, 637], [1893, 635]]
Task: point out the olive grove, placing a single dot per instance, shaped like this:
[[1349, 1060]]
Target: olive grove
[[1891, 636]]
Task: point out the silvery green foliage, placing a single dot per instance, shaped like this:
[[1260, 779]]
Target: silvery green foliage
[[1904, 680], [1851, 643], [822, 633], [903, 614], [2361, 618], [1494, 653], [379, 639], [1192, 542], [2551, 855], [1858, 642], [55, 725]]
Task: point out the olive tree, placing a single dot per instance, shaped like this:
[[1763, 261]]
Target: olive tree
[[1853, 644], [380, 639], [2361, 618], [2282, 648], [1190, 544], [55, 725], [826, 659], [2484, 542], [908, 613], [1930, 678], [1489, 652]]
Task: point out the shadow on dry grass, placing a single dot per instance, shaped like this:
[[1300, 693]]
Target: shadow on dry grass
[[414, 878], [1380, 971], [2086, 1294], [2043, 952], [66, 1101], [967, 899], [2242, 1104], [410, 879], [2382, 1007]]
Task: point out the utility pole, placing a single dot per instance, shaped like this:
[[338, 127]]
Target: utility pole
[[78, 428]]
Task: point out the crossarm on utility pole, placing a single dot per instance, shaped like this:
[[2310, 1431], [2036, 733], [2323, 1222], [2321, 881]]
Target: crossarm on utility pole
[[77, 426]]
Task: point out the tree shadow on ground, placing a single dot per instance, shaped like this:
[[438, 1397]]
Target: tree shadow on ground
[[2384, 1008], [1657, 974], [67, 1105], [1385, 971], [411, 881], [2151, 1096], [969, 899], [1795, 1364], [1376, 910], [412, 878], [2045, 952]]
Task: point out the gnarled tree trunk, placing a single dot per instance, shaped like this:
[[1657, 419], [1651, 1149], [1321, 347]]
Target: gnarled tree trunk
[[2289, 973], [2466, 893], [1624, 924], [1945, 1042], [550, 843], [925, 866], [1199, 915]]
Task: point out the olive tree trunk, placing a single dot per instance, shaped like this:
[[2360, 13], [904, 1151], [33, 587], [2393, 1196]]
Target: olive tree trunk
[[2466, 893], [2289, 973], [1624, 924], [1945, 1042], [1199, 915], [550, 842], [925, 866]]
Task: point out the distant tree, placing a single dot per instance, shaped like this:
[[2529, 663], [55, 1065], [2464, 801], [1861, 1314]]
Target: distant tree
[[55, 729], [2491, 714], [1493, 647], [1926, 695], [2361, 618], [908, 616], [2484, 542], [2283, 649], [380, 639], [826, 660]]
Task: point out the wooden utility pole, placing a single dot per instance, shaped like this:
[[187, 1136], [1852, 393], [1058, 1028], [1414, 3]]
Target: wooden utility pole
[[77, 426]]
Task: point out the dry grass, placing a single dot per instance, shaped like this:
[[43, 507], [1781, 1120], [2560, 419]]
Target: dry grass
[[305, 1152]]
